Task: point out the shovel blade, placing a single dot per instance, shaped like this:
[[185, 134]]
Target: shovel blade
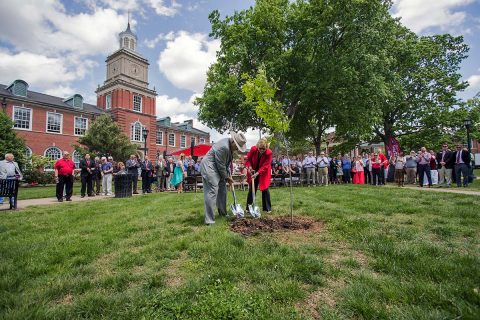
[[237, 210], [254, 211]]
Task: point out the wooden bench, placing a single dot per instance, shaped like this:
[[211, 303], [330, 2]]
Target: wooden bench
[[190, 184], [9, 188]]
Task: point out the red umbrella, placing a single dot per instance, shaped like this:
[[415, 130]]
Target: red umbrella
[[198, 151]]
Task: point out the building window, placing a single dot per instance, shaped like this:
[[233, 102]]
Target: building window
[[193, 140], [125, 42], [28, 152], [76, 157], [183, 141], [132, 44], [54, 122], [171, 139], [160, 137], [136, 134], [137, 103], [22, 118], [53, 153], [81, 125], [108, 101], [202, 140]]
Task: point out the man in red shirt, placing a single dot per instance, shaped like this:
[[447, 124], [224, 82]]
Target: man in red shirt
[[64, 176]]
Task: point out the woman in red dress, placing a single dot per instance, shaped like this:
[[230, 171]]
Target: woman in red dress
[[359, 177], [259, 167]]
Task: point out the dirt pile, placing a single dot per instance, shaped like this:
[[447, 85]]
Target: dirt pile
[[249, 227]]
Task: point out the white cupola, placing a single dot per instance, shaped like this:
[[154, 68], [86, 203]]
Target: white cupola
[[128, 39]]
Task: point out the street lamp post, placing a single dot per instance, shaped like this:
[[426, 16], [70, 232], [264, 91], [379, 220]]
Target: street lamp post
[[468, 124], [145, 135]]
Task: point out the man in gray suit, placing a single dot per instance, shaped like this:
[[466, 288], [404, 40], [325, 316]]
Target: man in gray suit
[[9, 170], [215, 170]]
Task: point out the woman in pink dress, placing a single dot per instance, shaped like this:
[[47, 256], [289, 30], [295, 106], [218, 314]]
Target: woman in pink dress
[[359, 177]]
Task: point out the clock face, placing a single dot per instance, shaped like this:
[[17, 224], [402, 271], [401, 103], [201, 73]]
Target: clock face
[[114, 68], [134, 70]]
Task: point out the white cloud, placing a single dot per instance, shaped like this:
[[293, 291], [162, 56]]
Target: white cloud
[[44, 27], [173, 106], [36, 69], [474, 87], [60, 91], [186, 59], [422, 14], [163, 10], [162, 36]]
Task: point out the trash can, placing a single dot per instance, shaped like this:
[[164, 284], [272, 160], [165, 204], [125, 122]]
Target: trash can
[[123, 186]]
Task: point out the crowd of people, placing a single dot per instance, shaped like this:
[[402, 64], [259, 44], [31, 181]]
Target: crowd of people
[[425, 168], [98, 174]]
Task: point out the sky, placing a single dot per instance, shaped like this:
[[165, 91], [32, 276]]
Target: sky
[[59, 47]]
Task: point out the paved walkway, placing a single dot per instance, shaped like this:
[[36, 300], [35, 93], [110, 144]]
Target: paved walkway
[[444, 190], [21, 204]]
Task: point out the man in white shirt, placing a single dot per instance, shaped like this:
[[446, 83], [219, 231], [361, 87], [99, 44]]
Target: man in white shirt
[[322, 164], [309, 164]]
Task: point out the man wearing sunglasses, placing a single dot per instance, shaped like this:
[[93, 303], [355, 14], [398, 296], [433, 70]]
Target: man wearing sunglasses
[[445, 166]]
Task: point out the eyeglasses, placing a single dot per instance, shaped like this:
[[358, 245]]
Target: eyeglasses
[[445, 146], [262, 149]]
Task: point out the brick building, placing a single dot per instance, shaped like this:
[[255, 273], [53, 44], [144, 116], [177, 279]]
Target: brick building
[[51, 124]]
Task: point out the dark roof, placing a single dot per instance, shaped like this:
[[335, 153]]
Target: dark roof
[[179, 127], [51, 101]]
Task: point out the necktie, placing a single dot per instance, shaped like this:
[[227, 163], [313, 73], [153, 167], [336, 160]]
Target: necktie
[[458, 156], [88, 164], [443, 155]]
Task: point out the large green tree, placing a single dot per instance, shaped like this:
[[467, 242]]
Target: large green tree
[[9, 141], [104, 137], [419, 81]]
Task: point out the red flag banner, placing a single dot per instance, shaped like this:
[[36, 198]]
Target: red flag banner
[[393, 147]]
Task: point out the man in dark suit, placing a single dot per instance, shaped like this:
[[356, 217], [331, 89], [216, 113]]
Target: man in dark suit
[[445, 166], [461, 159], [132, 169], [147, 173], [87, 171], [169, 171]]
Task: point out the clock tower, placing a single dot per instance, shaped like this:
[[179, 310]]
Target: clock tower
[[125, 93]]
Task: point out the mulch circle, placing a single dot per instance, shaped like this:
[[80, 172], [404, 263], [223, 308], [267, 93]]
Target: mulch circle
[[248, 227]]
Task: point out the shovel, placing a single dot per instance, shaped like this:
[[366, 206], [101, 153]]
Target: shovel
[[236, 207], [254, 210]]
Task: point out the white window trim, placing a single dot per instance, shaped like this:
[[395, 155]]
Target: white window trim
[[160, 144], [133, 102], [174, 138], [75, 123], [202, 140], [132, 133], [61, 123], [31, 117], [45, 151], [74, 154], [106, 99], [185, 145]]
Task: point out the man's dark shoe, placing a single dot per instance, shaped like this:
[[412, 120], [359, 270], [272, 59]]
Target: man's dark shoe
[[83, 196], [60, 200], [68, 199], [135, 192]]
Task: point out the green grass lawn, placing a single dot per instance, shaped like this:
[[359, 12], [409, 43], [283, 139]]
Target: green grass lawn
[[383, 253], [49, 191]]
